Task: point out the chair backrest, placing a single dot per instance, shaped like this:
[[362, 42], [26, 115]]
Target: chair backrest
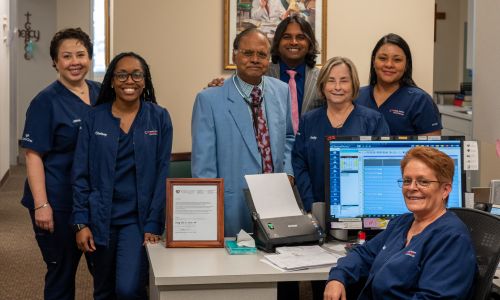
[[180, 165], [485, 233]]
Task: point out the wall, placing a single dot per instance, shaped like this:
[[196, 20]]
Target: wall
[[486, 106], [449, 45], [74, 13], [183, 43], [35, 74], [4, 90]]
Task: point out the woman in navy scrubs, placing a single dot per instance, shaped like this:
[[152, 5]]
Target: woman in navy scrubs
[[425, 254], [119, 174], [338, 84], [49, 137], [407, 109]]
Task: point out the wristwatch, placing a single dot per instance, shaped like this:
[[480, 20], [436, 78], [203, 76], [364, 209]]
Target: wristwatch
[[78, 227]]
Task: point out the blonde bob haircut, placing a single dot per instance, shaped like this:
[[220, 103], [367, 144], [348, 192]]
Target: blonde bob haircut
[[324, 74]]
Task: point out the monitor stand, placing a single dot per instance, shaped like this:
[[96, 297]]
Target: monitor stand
[[340, 234]]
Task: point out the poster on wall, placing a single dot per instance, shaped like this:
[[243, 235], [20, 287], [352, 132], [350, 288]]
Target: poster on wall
[[265, 15]]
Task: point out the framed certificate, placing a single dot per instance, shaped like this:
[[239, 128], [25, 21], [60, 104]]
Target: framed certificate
[[195, 212]]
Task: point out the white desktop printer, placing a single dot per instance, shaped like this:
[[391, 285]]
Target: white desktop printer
[[277, 213]]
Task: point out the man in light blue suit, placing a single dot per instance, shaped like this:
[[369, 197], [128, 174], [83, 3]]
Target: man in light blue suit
[[224, 132]]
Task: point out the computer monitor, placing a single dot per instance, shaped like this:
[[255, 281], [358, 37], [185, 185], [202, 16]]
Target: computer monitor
[[361, 178]]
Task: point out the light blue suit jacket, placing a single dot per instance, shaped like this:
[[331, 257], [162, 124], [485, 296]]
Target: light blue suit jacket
[[224, 144]]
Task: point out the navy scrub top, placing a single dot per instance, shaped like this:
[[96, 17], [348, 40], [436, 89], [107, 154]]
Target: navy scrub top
[[438, 263], [124, 208], [51, 129], [408, 111], [308, 151]]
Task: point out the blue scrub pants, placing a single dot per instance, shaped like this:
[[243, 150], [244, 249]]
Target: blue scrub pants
[[61, 255], [121, 269]]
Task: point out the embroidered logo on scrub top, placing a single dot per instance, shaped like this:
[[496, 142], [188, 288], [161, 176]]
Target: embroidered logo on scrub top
[[100, 133], [410, 253], [397, 112], [26, 138], [76, 121], [151, 132], [313, 138]]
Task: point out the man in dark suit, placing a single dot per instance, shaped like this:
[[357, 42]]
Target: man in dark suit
[[295, 48]]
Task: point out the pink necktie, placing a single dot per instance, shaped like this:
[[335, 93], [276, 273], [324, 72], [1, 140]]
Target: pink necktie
[[295, 102], [261, 132]]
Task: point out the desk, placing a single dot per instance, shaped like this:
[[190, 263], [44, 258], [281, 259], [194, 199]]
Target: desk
[[211, 273]]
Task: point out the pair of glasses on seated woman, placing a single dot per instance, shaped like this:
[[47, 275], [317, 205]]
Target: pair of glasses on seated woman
[[422, 183]]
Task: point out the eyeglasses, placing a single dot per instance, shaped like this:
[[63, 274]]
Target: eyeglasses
[[251, 53], [421, 183], [123, 76]]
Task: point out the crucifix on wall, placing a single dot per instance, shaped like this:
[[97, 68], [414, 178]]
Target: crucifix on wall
[[437, 16]]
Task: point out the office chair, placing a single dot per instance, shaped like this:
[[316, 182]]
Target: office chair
[[180, 165], [485, 233]]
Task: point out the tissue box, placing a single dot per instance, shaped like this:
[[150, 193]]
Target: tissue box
[[233, 248]]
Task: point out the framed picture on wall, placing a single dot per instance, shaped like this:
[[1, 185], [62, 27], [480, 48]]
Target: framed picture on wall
[[266, 15]]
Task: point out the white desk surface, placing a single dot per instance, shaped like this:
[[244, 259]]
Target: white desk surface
[[190, 266]]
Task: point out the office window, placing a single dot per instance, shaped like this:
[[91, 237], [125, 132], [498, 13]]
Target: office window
[[99, 39]]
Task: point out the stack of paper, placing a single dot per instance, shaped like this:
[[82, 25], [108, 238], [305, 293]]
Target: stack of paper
[[302, 257]]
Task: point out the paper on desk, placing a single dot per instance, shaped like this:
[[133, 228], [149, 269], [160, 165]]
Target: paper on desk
[[304, 257], [272, 195], [471, 156]]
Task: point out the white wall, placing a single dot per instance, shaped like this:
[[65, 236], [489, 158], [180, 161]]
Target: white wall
[[486, 105], [183, 43], [4, 89]]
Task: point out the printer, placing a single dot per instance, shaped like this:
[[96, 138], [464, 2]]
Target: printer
[[278, 215]]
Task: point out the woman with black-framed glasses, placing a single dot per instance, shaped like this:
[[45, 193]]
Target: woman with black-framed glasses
[[425, 254], [119, 174]]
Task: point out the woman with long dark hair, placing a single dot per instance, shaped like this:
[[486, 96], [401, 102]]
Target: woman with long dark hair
[[119, 174], [407, 109]]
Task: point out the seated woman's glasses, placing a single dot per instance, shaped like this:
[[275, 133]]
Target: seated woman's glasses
[[423, 183]]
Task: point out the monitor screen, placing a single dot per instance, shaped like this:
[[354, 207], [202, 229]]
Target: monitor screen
[[362, 174]]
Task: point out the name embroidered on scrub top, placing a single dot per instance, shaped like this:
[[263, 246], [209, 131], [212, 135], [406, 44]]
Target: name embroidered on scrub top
[[313, 138], [151, 132], [410, 253], [100, 133], [397, 112], [77, 121]]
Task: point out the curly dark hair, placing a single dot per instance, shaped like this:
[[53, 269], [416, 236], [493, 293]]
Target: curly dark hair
[[107, 93], [66, 34], [397, 40], [306, 28]]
